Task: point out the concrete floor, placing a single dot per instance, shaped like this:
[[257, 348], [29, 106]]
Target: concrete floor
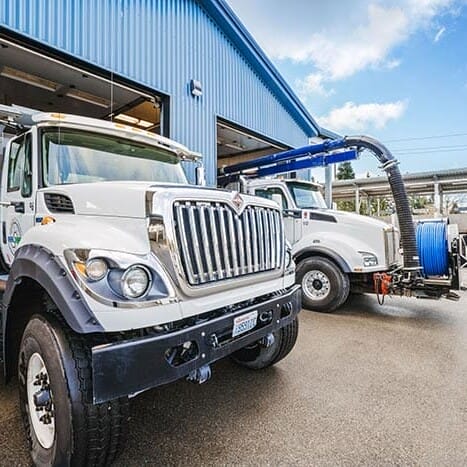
[[370, 385]]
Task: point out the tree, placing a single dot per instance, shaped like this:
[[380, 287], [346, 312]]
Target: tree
[[345, 171], [418, 201]]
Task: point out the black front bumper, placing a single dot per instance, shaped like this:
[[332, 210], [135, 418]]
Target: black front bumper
[[131, 366]]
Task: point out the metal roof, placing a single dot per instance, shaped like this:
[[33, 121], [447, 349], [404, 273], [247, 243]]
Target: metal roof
[[159, 47], [451, 180], [236, 32]]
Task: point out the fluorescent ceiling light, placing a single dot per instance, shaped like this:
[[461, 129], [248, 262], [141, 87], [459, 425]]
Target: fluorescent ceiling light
[[27, 78], [86, 97], [133, 120], [234, 146], [126, 118], [145, 124]]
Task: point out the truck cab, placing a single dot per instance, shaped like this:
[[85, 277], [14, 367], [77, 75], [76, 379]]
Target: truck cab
[[335, 251], [122, 277]]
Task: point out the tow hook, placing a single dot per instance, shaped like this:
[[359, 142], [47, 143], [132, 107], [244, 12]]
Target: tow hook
[[265, 316], [267, 340], [200, 375]]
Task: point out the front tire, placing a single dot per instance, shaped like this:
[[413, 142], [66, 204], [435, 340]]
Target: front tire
[[257, 357], [62, 424], [324, 286]]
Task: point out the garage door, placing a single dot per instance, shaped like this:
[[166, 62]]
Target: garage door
[[31, 79], [237, 144]]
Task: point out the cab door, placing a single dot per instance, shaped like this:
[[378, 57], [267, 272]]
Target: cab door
[[292, 216], [17, 205]]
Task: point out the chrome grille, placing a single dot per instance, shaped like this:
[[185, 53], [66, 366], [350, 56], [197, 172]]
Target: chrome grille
[[216, 243]]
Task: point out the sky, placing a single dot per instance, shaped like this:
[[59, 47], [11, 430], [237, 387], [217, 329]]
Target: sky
[[395, 70]]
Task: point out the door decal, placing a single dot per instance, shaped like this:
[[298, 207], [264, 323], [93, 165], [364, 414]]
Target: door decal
[[14, 235]]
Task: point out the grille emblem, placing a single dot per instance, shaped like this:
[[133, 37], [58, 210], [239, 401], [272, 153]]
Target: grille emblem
[[237, 201]]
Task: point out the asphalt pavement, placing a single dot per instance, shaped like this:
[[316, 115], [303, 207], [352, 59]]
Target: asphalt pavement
[[369, 385]]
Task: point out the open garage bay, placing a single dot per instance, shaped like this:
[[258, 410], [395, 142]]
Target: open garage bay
[[369, 385]]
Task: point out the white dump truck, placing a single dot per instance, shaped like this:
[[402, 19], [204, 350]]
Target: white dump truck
[[122, 277]]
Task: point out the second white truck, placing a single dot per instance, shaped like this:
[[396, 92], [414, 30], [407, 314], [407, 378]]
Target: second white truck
[[339, 252], [336, 251]]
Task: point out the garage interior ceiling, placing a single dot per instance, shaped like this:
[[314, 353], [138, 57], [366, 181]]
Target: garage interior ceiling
[[32, 80], [237, 145]]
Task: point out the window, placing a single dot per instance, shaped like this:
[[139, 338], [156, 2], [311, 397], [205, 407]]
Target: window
[[306, 195], [26, 186], [268, 192], [75, 156], [19, 166]]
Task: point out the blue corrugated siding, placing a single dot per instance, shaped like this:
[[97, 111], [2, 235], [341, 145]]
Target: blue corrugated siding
[[162, 44]]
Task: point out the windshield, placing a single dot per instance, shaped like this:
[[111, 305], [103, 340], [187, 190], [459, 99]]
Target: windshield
[[75, 156], [306, 196]]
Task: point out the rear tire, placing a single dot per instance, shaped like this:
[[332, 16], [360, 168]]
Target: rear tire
[[257, 357], [54, 366], [324, 286]]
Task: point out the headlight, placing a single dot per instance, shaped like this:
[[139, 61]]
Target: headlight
[[369, 259], [117, 278], [135, 282], [96, 269]]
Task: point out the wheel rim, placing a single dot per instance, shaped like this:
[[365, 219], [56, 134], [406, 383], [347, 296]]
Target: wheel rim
[[316, 285], [40, 401]]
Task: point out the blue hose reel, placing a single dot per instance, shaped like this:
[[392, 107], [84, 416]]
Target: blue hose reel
[[432, 246]]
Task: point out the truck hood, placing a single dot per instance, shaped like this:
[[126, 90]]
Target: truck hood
[[129, 199], [347, 234], [344, 217]]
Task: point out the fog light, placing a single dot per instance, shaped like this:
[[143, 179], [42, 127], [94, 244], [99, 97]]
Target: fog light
[[135, 282], [96, 269]]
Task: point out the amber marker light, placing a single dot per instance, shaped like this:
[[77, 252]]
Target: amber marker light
[[81, 268], [47, 220]]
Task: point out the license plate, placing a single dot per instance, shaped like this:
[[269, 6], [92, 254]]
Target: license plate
[[244, 323]]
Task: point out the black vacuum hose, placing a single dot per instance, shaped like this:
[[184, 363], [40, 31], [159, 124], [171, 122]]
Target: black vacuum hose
[[404, 214]]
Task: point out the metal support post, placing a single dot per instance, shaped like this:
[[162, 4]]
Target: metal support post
[[328, 186], [437, 199], [357, 200]]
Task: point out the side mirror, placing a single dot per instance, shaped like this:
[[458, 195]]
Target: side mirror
[[200, 176], [295, 213]]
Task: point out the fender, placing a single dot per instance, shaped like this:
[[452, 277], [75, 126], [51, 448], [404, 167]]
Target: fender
[[323, 251], [41, 265]]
